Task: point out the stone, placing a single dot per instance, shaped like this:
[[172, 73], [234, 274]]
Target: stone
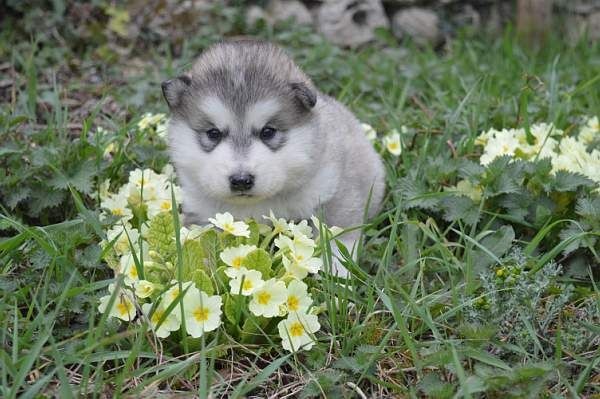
[[579, 25], [351, 23], [420, 24], [284, 10]]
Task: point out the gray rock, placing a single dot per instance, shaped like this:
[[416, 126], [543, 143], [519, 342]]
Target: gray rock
[[578, 25], [594, 26], [420, 24], [283, 10], [351, 22]]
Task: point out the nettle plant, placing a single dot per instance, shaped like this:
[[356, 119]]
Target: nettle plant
[[538, 182], [241, 276]]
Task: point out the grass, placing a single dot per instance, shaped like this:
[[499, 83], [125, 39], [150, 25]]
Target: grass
[[424, 315]]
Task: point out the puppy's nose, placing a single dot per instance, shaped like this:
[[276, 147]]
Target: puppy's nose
[[241, 182]]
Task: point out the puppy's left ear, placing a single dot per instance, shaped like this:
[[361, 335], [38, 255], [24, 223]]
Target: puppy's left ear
[[304, 94], [174, 88]]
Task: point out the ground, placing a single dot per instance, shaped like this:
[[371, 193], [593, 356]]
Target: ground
[[492, 293]]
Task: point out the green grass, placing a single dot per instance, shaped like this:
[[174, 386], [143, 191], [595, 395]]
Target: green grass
[[424, 314]]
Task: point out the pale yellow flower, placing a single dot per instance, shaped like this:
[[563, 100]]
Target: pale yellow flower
[[279, 225], [171, 322], [297, 331], [392, 142], [225, 222], [267, 299], [144, 288], [297, 299], [234, 256], [123, 306], [202, 312], [370, 133], [246, 282]]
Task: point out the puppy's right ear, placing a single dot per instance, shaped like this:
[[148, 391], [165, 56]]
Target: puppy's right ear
[[174, 88]]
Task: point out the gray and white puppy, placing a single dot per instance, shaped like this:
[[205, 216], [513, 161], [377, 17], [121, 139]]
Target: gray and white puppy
[[250, 133]]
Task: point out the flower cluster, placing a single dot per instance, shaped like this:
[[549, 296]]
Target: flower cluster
[[229, 273], [158, 122], [573, 154], [391, 141]]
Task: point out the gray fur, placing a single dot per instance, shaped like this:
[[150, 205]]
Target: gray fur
[[341, 168]]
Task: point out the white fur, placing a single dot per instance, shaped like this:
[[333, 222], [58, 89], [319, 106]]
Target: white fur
[[220, 114], [327, 164], [259, 114]]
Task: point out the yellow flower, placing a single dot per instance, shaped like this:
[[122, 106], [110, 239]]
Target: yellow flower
[[144, 288], [123, 306], [225, 222], [468, 189], [117, 205], [590, 131], [502, 143], [234, 256], [267, 299], [150, 120], [123, 236], [297, 299], [171, 321], [246, 282], [370, 133], [392, 142], [279, 225], [202, 312], [296, 331]]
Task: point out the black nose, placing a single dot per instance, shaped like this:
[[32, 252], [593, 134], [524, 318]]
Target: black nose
[[241, 182]]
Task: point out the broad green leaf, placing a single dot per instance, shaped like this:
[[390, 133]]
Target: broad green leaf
[[161, 236], [202, 281], [193, 257], [259, 260]]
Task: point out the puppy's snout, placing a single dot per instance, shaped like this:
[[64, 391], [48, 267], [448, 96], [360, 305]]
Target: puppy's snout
[[241, 182]]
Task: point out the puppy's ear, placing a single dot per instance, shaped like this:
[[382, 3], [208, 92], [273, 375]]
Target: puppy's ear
[[174, 88], [304, 94]]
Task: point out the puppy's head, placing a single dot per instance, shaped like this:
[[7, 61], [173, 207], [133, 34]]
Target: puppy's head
[[243, 127]]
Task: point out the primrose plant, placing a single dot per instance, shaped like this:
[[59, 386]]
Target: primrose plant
[[245, 277]]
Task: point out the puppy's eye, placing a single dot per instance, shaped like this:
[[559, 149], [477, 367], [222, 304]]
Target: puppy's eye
[[267, 133], [214, 134]]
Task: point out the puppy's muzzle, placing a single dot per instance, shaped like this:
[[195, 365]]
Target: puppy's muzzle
[[241, 182]]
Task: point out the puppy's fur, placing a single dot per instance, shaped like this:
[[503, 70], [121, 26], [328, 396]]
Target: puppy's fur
[[245, 109]]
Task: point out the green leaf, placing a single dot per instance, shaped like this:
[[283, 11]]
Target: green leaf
[[416, 194], [251, 329], [202, 281], [254, 233], [81, 179], [260, 260], [161, 236], [460, 208], [192, 254], [497, 243], [432, 386], [568, 181], [44, 199], [16, 195], [229, 307], [588, 208]]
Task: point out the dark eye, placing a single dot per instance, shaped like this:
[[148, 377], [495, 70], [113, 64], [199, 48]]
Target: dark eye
[[267, 133], [214, 134]]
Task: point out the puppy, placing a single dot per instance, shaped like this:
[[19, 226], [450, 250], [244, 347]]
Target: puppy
[[250, 133]]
